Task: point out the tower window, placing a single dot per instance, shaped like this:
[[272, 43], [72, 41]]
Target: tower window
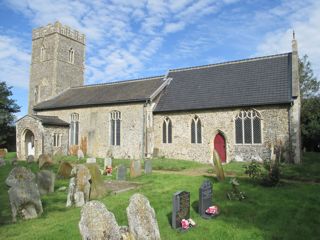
[[248, 127], [74, 129], [115, 126], [43, 54], [167, 131], [71, 56], [37, 94]]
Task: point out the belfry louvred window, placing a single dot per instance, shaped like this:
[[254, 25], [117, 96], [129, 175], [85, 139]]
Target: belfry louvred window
[[248, 127], [167, 131]]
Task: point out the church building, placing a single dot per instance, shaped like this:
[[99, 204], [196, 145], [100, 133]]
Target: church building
[[242, 109]]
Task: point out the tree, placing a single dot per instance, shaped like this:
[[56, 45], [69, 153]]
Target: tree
[[309, 85], [7, 109], [310, 113]]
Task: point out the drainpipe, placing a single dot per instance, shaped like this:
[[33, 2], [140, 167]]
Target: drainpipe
[[143, 131]]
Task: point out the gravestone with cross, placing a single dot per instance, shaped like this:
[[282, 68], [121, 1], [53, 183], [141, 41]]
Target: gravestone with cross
[[180, 208]]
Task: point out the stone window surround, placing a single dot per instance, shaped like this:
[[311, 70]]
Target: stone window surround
[[57, 139], [259, 115], [74, 119], [196, 120], [168, 123], [115, 137], [71, 56], [42, 53]]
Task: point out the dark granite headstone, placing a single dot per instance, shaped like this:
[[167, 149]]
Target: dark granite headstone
[[180, 208], [122, 172], [205, 198], [147, 166]]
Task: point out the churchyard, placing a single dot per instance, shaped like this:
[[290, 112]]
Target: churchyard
[[289, 210]]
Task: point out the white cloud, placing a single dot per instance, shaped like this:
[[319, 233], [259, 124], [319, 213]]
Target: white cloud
[[174, 27], [305, 20], [14, 62]]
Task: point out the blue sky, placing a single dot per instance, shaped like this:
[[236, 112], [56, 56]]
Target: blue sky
[[139, 38]]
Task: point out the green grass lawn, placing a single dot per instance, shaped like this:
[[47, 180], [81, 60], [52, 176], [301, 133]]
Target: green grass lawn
[[288, 211]]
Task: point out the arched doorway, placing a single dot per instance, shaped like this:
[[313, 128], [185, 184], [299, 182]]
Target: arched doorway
[[219, 144], [29, 143]]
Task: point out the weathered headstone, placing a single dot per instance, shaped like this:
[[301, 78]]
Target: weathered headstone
[[135, 168], [65, 169], [205, 198], [30, 159], [180, 208], [91, 160], [80, 154], [218, 166], [3, 152], [98, 223], [45, 160], [142, 220], [79, 186], [2, 162], [122, 173], [107, 162], [14, 162], [147, 166], [98, 188], [24, 195], [45, 181]]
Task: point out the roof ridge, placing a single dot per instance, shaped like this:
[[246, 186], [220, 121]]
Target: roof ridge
[[120, 82], [229, 62]]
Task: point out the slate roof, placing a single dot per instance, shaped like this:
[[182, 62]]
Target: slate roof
[[102, 94], [250, 82], [51, 120]]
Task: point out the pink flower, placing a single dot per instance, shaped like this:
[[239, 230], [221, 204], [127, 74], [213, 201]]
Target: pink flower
[[184, 224], [213, 210]]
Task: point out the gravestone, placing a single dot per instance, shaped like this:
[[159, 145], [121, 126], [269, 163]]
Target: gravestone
[[135, 168], [98, 188], [80, 154], [122, 172], [3, 152], [64, 170], [45, 160], [91, 160], [205, 198], [98, 223], [147, 166], [107, 162], [45, 181], [2, 162], [180, 208], [142, 220], [30, 159]]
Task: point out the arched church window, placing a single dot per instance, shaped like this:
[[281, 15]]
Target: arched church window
[[71, 56], [74, 129], [248, 127], [115, 127], [167, 131], [42, 54], [196, 130]]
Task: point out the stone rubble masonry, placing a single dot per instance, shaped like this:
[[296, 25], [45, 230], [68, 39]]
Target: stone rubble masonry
[[275, 126]]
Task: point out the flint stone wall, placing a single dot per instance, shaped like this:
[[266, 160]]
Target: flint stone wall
[[275, 127]]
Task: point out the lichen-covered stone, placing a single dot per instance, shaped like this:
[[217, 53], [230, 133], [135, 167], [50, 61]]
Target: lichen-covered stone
[[98, 188], [24, 195], [80, 182], [45, 181], [30, 159], [142, 220], [45, 160], [98, 223], [65, 169]]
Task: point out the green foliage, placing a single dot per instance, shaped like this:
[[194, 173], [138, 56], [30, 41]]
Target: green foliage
[[7, 108], [309, 85], [253, 170], [310, 123]]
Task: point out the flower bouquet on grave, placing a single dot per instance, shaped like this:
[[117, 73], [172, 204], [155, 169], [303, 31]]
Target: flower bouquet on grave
[[108, 171], [187, 223], [213, 211]]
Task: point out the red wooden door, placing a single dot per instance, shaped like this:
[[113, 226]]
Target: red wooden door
[[220, 146]]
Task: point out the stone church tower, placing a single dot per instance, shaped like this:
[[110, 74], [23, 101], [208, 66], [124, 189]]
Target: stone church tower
[[57, 62]]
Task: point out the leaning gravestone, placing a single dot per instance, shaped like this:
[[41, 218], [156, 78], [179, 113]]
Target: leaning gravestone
[[3, 152], [147, 166], [45, 160], [98, 188], [122, 173], [180, 208], [45, 181], [142, 220], [135, 168], [64, 170], [24, 195], [205, 198], [98, 223], [79, 186], [218, 166]]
